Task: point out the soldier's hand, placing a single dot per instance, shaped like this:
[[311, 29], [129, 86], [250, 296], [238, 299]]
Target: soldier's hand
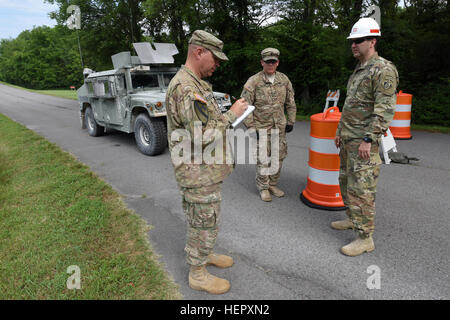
[[239, 107], [337, 141], [364, 150], [289, 128]]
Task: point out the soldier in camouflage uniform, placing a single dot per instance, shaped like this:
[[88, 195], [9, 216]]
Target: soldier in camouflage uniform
[[271, 93], [192, 109], [368, 110]]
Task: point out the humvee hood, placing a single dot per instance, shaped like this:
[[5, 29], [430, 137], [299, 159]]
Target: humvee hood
[[149, 96]]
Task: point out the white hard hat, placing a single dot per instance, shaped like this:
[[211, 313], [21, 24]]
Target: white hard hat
[[365, 27]]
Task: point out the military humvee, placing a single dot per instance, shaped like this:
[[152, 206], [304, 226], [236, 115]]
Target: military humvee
[[131, 97]]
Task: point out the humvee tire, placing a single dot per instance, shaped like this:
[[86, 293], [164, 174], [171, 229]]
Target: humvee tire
[[150, 135], [93, 128]]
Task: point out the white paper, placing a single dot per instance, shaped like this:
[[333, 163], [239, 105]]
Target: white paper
[[249, 110]]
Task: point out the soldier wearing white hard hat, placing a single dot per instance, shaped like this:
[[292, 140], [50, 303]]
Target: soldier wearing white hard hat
[[367, 113]]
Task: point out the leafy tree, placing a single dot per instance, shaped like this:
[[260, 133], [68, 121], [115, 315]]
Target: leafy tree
[[236, 22], [311, 35], [107, 27], [42, 58]]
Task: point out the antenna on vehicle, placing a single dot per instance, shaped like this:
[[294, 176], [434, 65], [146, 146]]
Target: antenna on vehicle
[[74, 22], [131, 22]]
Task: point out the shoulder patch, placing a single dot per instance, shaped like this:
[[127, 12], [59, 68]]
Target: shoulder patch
[[201, 110], [200, 98], [248, 88], [388, 82]]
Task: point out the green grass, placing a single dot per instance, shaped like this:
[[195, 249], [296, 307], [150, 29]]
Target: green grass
[[55, 213], [430, 128], [68, 94], [62, 93], [300, 117]]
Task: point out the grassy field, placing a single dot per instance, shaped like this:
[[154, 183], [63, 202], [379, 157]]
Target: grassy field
[[430, 128], [55, 213], [68, 94], [62, 93]]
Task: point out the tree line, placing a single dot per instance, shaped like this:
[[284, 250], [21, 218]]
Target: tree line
[[310, 34]]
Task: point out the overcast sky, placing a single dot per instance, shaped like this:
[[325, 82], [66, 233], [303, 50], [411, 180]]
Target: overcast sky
[[19, 15]]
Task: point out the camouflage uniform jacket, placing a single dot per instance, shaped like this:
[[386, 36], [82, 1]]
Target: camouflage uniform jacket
[[269, 101], [370, 103], [188, 100]]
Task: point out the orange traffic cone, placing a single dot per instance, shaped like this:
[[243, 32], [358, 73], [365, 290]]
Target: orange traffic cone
[[401, 124], [322, 188]]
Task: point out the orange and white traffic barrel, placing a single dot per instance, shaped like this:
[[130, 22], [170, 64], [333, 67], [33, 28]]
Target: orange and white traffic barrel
[[322, 187], [401, 124]]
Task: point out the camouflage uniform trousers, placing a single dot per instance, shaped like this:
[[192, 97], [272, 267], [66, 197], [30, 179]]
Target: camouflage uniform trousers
[[358, 181], [264, 181], [202, 209]]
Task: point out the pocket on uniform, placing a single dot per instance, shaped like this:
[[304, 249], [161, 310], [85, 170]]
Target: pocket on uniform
[[210, 216], [360, 164], [203, 215]]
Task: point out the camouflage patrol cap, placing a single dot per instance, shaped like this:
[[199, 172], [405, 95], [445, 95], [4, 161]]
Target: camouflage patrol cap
[[270, 54], [210, 42]]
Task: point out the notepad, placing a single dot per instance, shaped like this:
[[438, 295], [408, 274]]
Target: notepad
[[249, 110]]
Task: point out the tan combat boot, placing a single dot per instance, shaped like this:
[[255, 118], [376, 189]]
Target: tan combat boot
[[265, 195], [200, 279], [358, 246], [219, 260], [276, 191], [342, 224]]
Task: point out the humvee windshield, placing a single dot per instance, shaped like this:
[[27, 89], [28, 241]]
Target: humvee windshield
[[144, 80]]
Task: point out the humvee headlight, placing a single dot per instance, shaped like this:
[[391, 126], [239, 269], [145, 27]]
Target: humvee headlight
[[159, 105]]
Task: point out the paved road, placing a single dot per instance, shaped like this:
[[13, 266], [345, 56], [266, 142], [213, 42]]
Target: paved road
[[283, 249]]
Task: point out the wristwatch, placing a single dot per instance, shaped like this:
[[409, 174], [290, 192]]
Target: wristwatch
[[367, 139]]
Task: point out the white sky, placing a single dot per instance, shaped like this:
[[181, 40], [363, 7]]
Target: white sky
[[19, 15]]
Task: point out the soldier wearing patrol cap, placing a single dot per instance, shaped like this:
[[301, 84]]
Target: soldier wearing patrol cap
[[367, 113], [271, 92], [190, 104]]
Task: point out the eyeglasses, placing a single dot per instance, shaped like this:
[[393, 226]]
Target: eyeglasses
[[359, 40], [271, 61]]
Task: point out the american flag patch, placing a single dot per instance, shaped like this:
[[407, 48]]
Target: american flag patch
[[199, 98]]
